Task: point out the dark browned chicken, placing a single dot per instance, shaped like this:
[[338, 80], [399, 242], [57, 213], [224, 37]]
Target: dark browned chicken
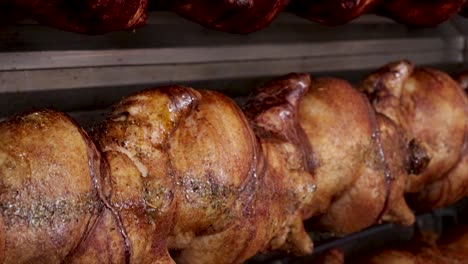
[[332, 12], [353, 179], [134, 141], [430, 108], [86, 16], [235, 16], [50, 188], [420, 13]]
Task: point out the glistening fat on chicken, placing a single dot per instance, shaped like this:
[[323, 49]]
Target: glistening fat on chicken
[[196, 164]]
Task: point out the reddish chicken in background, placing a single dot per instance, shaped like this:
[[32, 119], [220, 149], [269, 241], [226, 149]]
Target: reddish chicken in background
[[332, 12], [86, 16], [234, 16], [420, 13]]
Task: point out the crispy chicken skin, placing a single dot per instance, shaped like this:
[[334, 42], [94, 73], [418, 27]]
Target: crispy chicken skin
[[272, 112], [332, 12], [50, 188], [215, 161], [430, 108], [234, 16], [86, 16], [196, 175], [336, 120], [454, 184], [134, 140], [420, 13], [341, 127], [177, 175]]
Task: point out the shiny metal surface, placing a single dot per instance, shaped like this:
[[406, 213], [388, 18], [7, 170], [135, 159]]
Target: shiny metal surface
[[170, 49]]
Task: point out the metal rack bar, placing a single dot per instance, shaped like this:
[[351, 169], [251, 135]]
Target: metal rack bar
[[170, 49]]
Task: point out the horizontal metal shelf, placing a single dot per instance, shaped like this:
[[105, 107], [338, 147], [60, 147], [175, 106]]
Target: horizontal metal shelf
[[91, 77], [170, 49]]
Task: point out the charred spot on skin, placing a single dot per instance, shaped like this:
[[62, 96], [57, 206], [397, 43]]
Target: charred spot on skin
[[418, 159]]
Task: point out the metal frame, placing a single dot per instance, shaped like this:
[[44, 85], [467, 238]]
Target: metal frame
[[170, 49]]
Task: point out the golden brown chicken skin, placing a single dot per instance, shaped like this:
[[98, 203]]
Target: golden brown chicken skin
[[50, 188], [454, 184], [273, 113], [191, 178], [134, 140], [214, 159], [234, 16], [342, 129], [430, 108]]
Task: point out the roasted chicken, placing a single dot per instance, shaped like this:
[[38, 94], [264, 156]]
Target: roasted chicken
[[454, 184], [420, 13], [430, 108], [450, 248], [332, 12], [180, 175], [235, 16], [354, 182], [273, 113], [52, 191], [86, 16], [199, 166]]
